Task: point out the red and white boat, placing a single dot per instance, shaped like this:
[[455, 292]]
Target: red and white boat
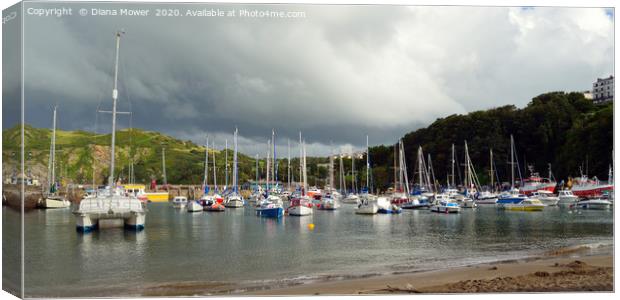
[[584, 187], [537, 183]]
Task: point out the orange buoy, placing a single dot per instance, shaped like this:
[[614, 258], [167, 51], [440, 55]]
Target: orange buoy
[[311, 226]]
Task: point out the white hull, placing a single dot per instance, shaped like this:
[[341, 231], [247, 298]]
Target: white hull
[[445, 209], [594, 204], [233, 203], [330, 205], [55, 203], [568, 199], [299, 210], [467, 203], [127, 210], [194, 206], [179, 205], [549, 201]]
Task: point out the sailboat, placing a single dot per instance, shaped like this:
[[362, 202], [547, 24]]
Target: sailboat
[[471, 183], [301, 204], [217, 200], [271, 206], [352, 197], [114, 203], [330, 201], [52, 199], [422, 195], [234, 199], [206, 200], [513, 196], [368, 203], [489, 197]]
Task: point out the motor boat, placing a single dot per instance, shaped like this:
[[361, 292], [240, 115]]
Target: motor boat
[[547, 198], [567, 197], [179, 202], [529, 204]]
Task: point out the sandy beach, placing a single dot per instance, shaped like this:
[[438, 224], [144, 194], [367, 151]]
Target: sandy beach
[[545, 274]]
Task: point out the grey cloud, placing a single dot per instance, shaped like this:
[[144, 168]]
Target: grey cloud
[[338, 74]]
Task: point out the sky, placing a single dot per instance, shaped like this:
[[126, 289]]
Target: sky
[[337, 74]]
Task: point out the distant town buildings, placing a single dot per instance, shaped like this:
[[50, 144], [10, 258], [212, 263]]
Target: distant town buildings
[[588, 95], [603, 90]]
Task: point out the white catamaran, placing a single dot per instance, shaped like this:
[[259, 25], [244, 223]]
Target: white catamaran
[[113, 203]]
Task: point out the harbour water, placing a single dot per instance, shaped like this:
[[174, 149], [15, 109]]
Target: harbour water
[[234, 251]]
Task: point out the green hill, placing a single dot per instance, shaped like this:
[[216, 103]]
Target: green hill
[[562, 129]]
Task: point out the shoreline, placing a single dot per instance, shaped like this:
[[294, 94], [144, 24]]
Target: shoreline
[[558, 271]]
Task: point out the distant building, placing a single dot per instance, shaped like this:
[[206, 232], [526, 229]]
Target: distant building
[[588, 95], [603, 90]]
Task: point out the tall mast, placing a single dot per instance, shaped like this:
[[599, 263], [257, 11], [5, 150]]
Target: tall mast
[[114, 98], [163, 164], [353, 186], [275, 169], [206, 175], [367, 165], [214, 170], [226, 164], [256, 171], [301, 165], [235, 172], [288, 175], [420, 166], [453, 162], [53, 155], [512, 163], [491, 173], [268, 167], [343, 184], [331, 171], [304, 168]]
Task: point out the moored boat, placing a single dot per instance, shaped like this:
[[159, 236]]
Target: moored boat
[[525, 205], [567, 197], [194, 206], [179, 202], [546, 197], [598, 203], [444, 204]]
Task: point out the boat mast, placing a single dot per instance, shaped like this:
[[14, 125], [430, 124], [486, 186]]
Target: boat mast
[[367, 165], [163, 164], [226, 163], [353, 185], [257, 172], [453, 162], [343, 184], [331, 170], [206, 176], [235, 172], [214, 170], [301, 166], [114, 98], [512, 163], [268, 167], [289, 164], [275, 161], [53, 155], [304, 168], [491, 173]]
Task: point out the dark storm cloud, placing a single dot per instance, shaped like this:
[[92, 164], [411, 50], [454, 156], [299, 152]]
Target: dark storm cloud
[[336, 75]]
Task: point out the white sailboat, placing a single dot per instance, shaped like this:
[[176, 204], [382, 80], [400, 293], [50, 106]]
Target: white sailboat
[[424, 185], [489, 196], [51, 198], [113, 204], [368, 204], [471, 183], [302, 204], [234, 199], [331, 200]]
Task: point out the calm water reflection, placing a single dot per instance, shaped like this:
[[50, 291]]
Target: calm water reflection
[[237, 247]]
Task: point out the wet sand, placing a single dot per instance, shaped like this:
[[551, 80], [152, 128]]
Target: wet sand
[[545, 274]]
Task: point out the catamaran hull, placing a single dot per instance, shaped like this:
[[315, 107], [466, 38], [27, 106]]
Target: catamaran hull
[[90, 222]]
